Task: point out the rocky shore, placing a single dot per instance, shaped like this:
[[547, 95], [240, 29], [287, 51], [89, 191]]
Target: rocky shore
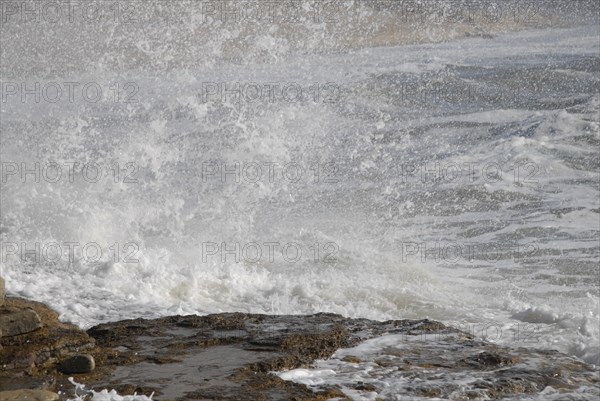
[[230, 356]]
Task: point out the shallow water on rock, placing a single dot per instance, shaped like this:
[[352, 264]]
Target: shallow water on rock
[[234, 355], [213, 365]]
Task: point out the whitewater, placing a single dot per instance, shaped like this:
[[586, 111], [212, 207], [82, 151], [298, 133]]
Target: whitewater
[[453, 175]]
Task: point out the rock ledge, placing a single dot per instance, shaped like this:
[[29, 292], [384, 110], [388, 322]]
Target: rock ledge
[[230, 356]]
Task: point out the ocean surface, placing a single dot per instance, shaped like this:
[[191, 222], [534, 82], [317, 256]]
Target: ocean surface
[[377, 159]]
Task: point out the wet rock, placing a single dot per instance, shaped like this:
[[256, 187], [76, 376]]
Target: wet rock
[[431, 364], [232, 356], [28, 395], [351, 359], [488, 360], [77, 364], [15, 321], [2, 293], [13, 382], [38, 351]]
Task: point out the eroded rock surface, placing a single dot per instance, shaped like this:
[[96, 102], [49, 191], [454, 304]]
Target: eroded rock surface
[[231, 356], [28, 360], [15, 321]]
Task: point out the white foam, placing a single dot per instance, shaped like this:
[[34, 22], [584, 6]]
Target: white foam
[[171, 212], [103, 395]]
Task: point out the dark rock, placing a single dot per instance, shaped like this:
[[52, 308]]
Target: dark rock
[[15, 321], [230, 356], [2, 293], [489, 360], [77, 364]]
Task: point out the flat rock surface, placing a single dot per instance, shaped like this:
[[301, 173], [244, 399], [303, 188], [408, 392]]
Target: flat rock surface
[[231, 356], [28, 395]]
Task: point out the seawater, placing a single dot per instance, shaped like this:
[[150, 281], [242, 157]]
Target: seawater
[[389, 165]]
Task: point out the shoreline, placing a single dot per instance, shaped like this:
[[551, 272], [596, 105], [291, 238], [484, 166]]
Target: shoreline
[[232, 356]]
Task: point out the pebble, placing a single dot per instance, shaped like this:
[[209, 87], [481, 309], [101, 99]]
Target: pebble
[[78, 364]]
